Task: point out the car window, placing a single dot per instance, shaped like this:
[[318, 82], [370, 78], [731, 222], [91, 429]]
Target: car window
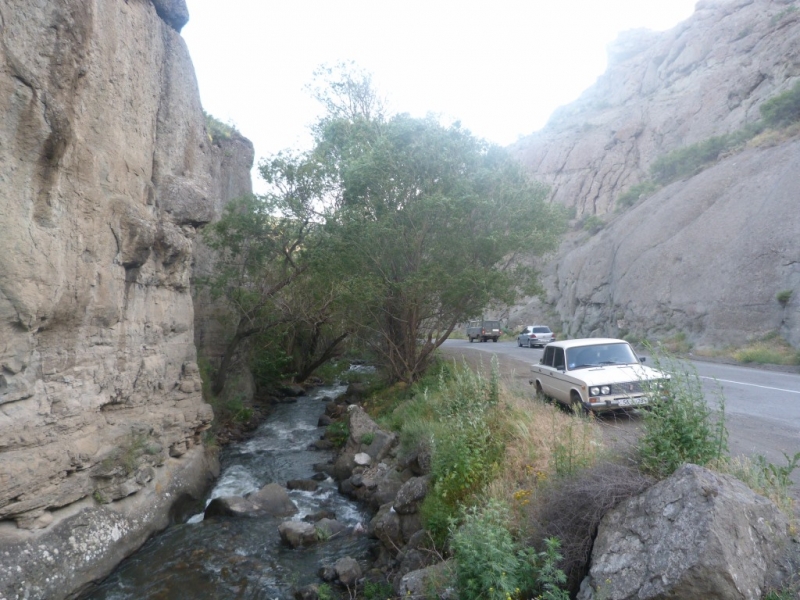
[[558, 358], [547, 359], [492, 324], [541, 330], [584, 357]]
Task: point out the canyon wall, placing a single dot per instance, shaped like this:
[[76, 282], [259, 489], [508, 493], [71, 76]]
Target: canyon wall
[[107, 173], [705, 257]]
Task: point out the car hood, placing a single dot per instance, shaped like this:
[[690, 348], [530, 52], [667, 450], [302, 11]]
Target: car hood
[[617, 374]]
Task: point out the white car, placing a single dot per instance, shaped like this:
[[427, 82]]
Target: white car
[[596, 374], [535, 335]]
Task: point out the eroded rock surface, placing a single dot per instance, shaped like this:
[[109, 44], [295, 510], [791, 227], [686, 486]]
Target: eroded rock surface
[[706, 257], [697, 534], [107, 173]]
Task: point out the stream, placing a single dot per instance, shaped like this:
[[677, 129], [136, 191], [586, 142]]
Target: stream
[[244, 558]]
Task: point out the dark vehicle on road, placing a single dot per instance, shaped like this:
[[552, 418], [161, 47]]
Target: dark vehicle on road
[[484, 330]]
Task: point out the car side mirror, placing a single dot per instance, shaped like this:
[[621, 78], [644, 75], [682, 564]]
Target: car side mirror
[[642, 359]]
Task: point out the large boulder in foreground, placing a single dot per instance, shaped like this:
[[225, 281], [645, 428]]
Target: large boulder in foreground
[[697, 534]]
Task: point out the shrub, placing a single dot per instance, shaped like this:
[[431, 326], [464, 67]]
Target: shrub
[[687, 161], [217, 130], [681, 428], [492, 565], [338, 432], [592, 223], [784, 296], [635, 193], [771, 352], [783, 109], [677, 343], [377, 590]]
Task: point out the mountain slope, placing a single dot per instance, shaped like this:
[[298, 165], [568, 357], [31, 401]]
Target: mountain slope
[[706, 256]]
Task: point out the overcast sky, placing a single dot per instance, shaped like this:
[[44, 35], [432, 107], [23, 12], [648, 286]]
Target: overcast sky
[[501, 67]]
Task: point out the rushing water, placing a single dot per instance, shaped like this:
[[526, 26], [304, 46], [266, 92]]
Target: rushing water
[[243, 558]]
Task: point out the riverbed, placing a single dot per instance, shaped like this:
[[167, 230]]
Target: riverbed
[[244, 558]]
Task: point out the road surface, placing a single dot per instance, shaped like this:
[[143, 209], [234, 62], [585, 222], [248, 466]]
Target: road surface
[[762, 407]]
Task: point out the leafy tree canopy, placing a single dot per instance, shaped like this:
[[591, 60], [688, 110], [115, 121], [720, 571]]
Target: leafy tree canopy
[[426, 226], [392, 227]]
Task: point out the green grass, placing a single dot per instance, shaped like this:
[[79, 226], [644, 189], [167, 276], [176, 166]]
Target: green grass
[[772, 349]]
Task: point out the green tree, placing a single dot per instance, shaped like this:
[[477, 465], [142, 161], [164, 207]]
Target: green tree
[[425, 226], [263, 245]]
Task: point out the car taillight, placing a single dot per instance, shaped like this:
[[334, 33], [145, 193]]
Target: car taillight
[[533, 335]]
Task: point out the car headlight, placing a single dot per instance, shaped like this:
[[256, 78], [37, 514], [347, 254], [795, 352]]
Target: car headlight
[[605, 390], [594, 391]]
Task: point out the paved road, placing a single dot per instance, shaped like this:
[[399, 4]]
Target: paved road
[[762, 407]]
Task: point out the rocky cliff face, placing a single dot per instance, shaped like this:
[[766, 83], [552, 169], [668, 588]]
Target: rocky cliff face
[[106, 173], [706, 256]]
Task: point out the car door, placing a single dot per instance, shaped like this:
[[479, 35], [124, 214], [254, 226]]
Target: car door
[[523, 337], [545, 368], [560, 382]]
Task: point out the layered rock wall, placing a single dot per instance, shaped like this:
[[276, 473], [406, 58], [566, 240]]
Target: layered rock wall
[[106, 172]]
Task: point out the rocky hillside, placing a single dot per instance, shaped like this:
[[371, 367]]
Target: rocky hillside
[[107, 173], [706, 256]]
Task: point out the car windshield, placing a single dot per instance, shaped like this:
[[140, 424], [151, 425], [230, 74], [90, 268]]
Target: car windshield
[[583, 357]]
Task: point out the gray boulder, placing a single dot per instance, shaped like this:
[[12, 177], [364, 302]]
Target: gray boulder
[[411, 495], [327, 528], [386, 527], [231, 506], [273, 500], [416, 584], [305, 485], [348, 572], [298, 533], [697, 534]]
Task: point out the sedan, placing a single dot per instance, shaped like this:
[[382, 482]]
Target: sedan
[[535, 335]]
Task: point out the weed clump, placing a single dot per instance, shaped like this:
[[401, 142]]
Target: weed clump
[[681, 428]]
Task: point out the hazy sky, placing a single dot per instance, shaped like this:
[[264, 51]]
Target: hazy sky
[[500, 66]]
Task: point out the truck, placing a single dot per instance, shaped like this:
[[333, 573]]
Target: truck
[[484, 330]]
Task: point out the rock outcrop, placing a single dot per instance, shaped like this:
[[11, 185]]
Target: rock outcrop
[[707, 76], [697, 534], [705, 257], [107, 173]]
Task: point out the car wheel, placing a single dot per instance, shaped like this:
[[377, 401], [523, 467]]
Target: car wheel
[[577, 405], [470, 339], [494, 339], [529, 343], [519, 343], [541, 396]]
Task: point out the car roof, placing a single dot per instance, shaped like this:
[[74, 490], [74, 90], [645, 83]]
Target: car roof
[[538, 326], [584, 342]]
